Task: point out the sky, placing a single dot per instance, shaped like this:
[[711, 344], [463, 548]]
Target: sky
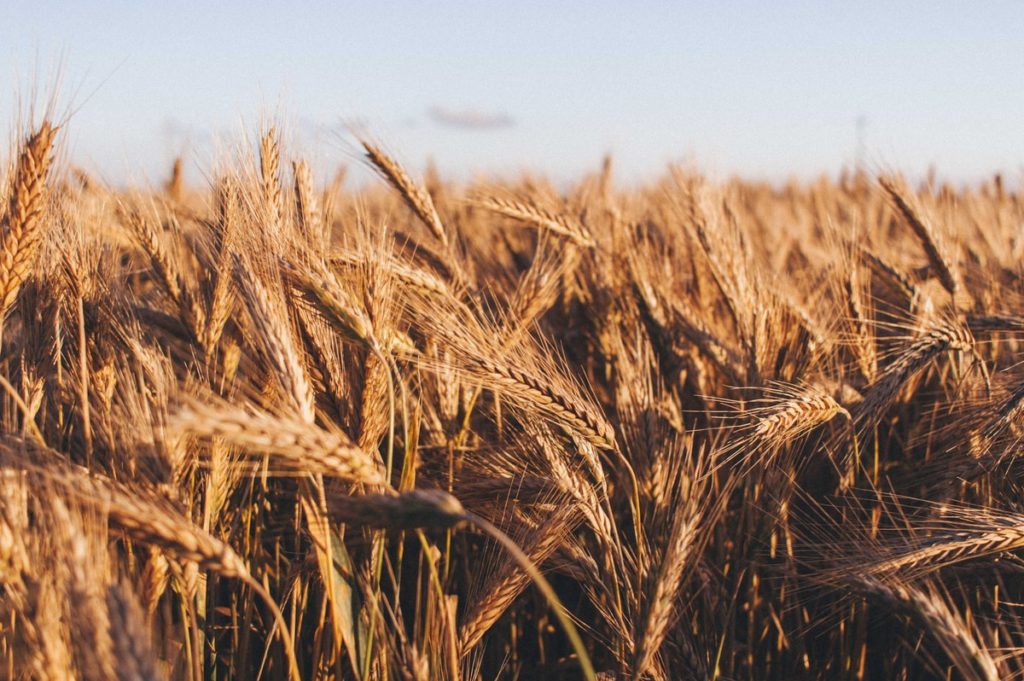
[[766, 90]]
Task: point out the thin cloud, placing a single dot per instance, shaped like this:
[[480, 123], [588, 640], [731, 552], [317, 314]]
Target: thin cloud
[[469, 119], [177, 133]]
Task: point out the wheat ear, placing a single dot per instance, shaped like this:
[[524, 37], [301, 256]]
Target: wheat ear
[[23, 226], [924, 234], [415, 196]]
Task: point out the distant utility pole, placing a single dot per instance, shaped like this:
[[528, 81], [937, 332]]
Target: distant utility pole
[[860, 153]]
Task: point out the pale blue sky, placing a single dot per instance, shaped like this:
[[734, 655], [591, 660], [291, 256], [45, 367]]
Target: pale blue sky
[[763, 89]]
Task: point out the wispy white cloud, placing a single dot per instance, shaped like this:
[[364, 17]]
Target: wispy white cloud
[[470, 119]]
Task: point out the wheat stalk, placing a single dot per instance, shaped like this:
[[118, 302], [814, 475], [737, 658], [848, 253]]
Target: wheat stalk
[[943, 266], [537, 216], [505, 585], [935, 616], [415, 196], [270, 175], [23, 222], [541, 395], [789, 418], [415, 509], [304, 445]]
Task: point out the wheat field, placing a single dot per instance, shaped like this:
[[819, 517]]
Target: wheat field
[[260, 426]]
